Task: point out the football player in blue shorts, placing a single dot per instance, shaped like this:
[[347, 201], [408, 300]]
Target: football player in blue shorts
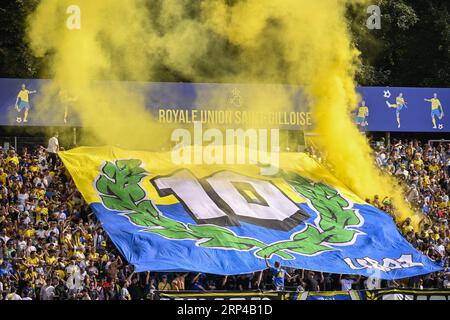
[[436, 109], [399, 105], [363, 113], [24, 97]]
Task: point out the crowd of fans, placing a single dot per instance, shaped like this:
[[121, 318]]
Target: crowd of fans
[[52, 246], [425, 170]]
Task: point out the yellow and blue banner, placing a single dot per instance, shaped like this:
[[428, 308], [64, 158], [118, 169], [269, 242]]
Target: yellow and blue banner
[[225, 219]]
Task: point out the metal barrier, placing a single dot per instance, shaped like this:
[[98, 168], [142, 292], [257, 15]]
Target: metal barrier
[[22, 142]]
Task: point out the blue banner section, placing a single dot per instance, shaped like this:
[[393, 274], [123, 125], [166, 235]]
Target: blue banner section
[[235, 105], [381, 253]]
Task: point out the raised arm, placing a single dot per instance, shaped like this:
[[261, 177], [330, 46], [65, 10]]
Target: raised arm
[[267, 262], [260, 278], [224, 281], [195, 278], [130, 276], [119, 262]]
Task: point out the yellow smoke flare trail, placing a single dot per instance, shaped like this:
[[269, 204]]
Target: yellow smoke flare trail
[[322, 59], [299, 42]]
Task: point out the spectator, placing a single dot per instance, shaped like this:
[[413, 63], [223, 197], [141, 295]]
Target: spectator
[[53, 148], [347, 282], [311, 282], [164, 284]]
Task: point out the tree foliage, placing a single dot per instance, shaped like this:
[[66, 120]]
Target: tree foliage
[[411, 49], [16, 60]]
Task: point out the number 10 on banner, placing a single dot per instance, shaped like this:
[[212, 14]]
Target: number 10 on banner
[[227, 198]]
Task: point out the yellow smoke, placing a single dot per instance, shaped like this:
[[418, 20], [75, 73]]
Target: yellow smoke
[[299, 42], [101, 50]]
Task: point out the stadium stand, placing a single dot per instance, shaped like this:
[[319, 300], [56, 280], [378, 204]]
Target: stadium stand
[[53, 248]]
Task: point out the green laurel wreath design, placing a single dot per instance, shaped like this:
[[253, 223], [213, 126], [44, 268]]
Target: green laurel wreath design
[[120, 190]]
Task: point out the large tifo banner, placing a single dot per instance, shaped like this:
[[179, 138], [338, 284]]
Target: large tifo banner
[[226, 219], [234, 105]]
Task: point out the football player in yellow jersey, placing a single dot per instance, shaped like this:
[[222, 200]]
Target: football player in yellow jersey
[[363, 113], [400, 103], [24, 96], [436, 109]]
